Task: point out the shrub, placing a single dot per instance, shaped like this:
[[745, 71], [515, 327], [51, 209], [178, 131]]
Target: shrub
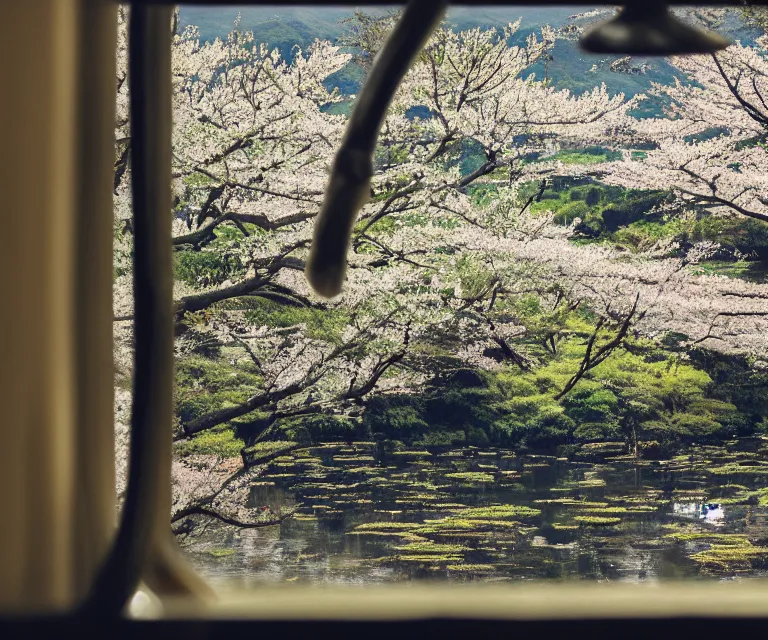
[[220, 441], [323, 428], [568, 213]]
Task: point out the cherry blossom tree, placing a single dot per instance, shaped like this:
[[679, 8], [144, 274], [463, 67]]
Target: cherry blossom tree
[[436, 273], [253, 140], [710, 146]]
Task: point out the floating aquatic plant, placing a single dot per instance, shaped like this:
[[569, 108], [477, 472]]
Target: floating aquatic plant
[[572, 502], [432, 547], [263, 451], [591, 482], [426, 559], [407, 452], [499, 512], [724, 555], [597, 521], [386, 526], [443, 525], [736, 469], [402, 535], [221, 553], [723, 539], [471, 568], [473, 477]]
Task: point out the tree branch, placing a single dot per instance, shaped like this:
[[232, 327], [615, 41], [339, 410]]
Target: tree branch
[[261, 221], [589, 361], [199, 510], [752, 111]]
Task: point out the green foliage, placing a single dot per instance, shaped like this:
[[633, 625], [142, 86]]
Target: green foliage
[[205, 268], [198, 180], [634, 207], [748, 236], [635, 396], [592, 225], [641, 393], [322, 428], [735, 236], [736, 382], [396, 416], [603, 210], [267, 450], [588, 155], [536, 420], [570, 211], [441, 438], [320, 323], [590, 195], [635, 221], [219, 441], [474, 276], [204, 385], [595, 410], [643, 234]]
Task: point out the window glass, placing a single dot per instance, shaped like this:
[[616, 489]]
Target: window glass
[[549, 358]]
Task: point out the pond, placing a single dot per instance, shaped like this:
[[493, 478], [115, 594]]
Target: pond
[[364, 515]]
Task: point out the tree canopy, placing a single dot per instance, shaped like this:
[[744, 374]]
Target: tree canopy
[[549, 243]]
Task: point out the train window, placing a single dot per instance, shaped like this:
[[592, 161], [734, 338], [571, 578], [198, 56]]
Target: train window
[[548, 359]]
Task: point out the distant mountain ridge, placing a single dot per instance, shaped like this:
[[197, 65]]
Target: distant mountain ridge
[[570, 68]]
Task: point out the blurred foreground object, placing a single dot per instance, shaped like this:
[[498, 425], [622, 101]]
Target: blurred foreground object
[[350, 183], [650, 30]]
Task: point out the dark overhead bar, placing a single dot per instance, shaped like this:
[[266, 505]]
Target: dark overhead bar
[[358, 3]]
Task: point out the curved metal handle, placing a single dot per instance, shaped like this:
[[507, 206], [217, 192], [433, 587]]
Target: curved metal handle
[[349, 185]]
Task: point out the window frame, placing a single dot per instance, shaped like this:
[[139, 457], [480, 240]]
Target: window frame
[[411, 611]]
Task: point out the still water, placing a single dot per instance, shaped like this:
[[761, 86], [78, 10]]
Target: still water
[[363, 515]]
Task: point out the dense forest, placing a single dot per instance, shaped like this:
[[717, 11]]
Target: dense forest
[[545, 267]]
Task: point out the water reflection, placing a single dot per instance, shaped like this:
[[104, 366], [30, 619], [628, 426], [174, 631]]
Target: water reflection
[[711, 512], [366, 514]]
